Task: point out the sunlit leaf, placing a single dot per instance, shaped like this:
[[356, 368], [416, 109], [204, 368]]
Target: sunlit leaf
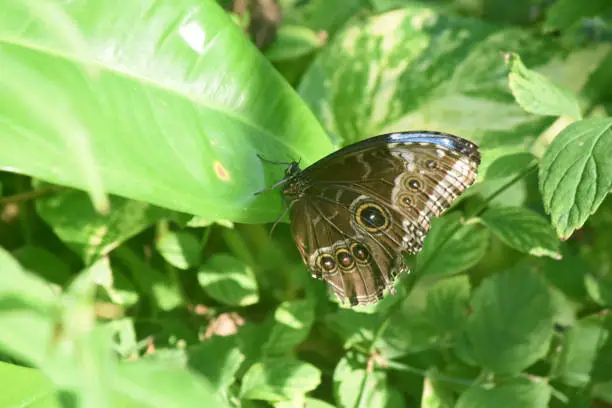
[[576, 173]]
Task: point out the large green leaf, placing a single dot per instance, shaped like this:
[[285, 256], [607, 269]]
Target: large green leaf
[[292, 321], [416, 68], [576, 173], [511, 322], [163, 102]]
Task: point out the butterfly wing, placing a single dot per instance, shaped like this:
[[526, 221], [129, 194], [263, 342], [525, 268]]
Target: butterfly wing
[[364, 205]]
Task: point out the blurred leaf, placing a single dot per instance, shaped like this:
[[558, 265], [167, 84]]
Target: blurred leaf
[[217, 359], [293, 41], [179, 248], [417, 68], [523, 393], [576, 173], [90, 234], [44, 263], [447, 304], [170, 114], [292, 322], [28, 388], [153, 384], [578, 352], [511, 322], [563, 13], [277, 379], [321, 15], [228, 280], [523, 229], [451, 246], [539, 95]]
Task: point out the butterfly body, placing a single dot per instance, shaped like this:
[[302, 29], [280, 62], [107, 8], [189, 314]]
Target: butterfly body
[[356, 211]]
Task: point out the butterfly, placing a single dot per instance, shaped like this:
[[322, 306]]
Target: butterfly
[[355, 212]]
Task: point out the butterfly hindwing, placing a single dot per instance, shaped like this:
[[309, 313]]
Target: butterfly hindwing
[[357, 210]]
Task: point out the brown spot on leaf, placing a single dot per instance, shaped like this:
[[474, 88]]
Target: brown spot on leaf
[[220, 171]]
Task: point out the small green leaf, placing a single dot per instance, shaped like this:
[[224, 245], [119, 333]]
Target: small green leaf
[[451, 246], [228, 280], [164, 291], [180, 249], [601, 365], [578, 352], [349, 381], [436, 394], [218, 359], [537, 94], [576, 173], [278, 379], [292, 321], [523, 229], [447, 304], [522, 393], [511, 322], [291, 42]]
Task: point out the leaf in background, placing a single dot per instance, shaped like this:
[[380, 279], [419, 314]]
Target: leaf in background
[[293, 42], [292, 322], [511, 322], [578, 352], [448, 303], [352, 326], [576, 173], [563, 13], [166, 103], [522, 393], [416, 68], [451, 246], [602, 363], [537, 94], [523, 229], [44, 263], [228, 280], [278, 379], [90, 234], [218, 359], [180, 249]]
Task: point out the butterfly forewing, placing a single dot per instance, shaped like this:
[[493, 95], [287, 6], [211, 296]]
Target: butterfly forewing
[[356, 211]]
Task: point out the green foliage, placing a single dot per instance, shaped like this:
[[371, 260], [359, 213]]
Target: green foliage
[[135, 268]]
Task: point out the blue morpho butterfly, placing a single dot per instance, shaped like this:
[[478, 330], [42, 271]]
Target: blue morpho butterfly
[[355, 212]]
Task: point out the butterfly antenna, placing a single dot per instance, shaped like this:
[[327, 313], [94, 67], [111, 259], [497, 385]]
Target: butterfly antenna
[[287, 208]]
